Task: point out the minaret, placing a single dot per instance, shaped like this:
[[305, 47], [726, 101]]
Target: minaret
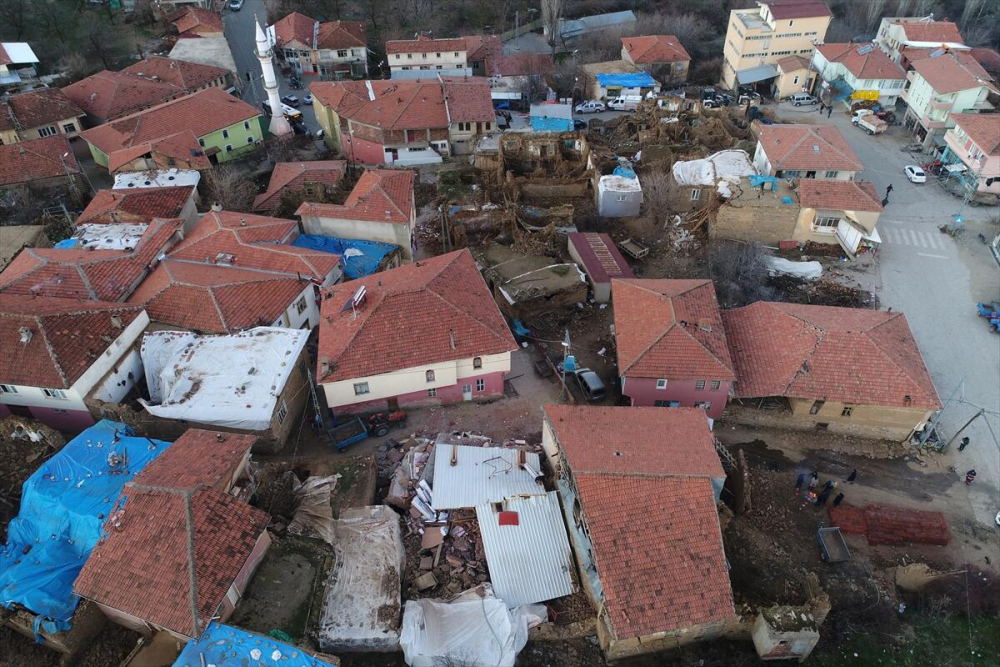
[[279, 124]]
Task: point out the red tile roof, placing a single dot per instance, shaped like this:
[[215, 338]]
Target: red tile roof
[[670, 329], [137, 205], [407, 105], [38, 159], [177, 541], [184, 74], [790, 64], [292, 177], [988, 59], [445, 299], [654, 49], [215, 299], [183, 148], [380, 195], [633, 440], [38, 108], [847, 355], [255, 242], [487, 48], [937, 32], [198, 21], [950, 73], [341, 35], [67, 337], [796, 9], [198, 458], [525, 64], [807, 148], [100, 275], [871, 65], [983, 129], [202, 113], [839, 195], [644, 480], [109, 95], [424, 44], [295, 27]]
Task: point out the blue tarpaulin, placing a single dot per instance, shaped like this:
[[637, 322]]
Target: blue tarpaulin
[[626, 80], [840, 90], [67, 243], [624, 172], [359, 258], [226, 646], [64, 505]]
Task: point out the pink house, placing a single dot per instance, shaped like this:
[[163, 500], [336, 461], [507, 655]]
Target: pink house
[[672, 350], [975, 143], [422, 334]]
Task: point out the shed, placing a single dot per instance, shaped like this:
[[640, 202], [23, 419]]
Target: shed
[[600, 260], [619, 195], [551, 117]]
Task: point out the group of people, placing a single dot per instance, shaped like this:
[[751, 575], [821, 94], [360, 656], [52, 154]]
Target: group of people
[[820, 498]]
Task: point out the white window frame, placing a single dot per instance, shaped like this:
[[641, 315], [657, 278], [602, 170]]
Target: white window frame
[[699, 385], [341, 53], [49, 131], [477, 362], [8, 389], [429, 376], [714, 385], [69, 127], [361, 388], [432, 392], [55, 393], [225, 134], [826, 222], [301, 305], [696, 194], [282, 412], [480, 384], [830, 174], [661, 383]]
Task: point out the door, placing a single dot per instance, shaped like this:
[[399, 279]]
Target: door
[[392, 404], [466, 392]]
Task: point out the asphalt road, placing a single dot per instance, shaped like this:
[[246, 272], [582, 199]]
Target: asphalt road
[[936, 281], [241, 35]]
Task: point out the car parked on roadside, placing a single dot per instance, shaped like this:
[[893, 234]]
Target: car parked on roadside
[[914, 174], [591, 106], [308, 99], [579, 124], [799, 99], [291, 101], [590, 385], [235, 5]]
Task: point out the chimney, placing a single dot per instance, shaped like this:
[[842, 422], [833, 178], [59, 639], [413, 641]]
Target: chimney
[[116, 321], [25, 334], [216, 207]]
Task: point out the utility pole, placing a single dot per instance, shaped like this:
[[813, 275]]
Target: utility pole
[[965, 426], [958, 220], [933, 423]]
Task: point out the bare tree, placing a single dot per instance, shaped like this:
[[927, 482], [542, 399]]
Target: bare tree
[[656, 194], [739, 271], [551, 13], [15, 15], [230, 188], [871, 12]]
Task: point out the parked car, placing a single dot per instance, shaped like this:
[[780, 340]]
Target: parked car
[[235, 5], [591, 106], [868, 121], [914, 174], [708, 93], [579, 124], [590, 385], [308, 99], [799, 99], [291, 100]]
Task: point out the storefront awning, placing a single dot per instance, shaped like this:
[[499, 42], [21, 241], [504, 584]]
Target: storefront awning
[[755, 74]]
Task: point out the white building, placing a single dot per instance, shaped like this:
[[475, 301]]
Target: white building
[[897, 35], [858, 71]]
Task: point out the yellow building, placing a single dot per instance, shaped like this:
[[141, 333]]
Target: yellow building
[[758, 38]]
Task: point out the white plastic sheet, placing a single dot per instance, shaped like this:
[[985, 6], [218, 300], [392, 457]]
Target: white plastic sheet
[[804, 270], [475, 629], [313, 513], [723, 170]]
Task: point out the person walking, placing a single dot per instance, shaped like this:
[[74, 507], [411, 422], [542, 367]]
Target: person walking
[[965, 443], [799, 481], [822, 107], [839, 498], [829, 111], [853, 476], [888, 190], [969, 477]]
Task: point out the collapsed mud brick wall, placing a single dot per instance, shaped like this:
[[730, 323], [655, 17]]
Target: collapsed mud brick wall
[[892, 525]]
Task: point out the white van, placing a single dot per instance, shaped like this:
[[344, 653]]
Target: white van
[[625, 103]]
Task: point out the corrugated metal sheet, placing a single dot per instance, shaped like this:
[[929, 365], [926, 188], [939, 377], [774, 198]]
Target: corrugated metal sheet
[[480, 475], [529, 562]]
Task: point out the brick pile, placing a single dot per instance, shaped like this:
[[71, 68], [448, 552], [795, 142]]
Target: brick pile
[[892, 525]]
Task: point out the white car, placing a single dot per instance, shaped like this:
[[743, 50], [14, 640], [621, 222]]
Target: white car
[[235, 5], [593, 106], [308, 99], [915, 174]]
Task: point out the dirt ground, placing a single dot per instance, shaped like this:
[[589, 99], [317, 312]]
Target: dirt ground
[[108, 649]]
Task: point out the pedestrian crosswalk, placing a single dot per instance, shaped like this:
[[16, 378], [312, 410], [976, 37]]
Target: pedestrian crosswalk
[[895, 234]]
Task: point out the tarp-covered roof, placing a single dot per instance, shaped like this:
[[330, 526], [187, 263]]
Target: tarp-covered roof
[[225, 645], [64, 505], [626, 80], [360, 258]]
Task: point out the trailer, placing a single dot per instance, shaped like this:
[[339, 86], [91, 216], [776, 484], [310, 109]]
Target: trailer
[[832, 545], [633, 248]]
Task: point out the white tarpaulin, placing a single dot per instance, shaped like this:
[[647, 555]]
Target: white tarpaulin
[[723, 170], [805, 270], [232, 381], [474, 630]]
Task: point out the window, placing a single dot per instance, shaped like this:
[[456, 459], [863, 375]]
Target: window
[[201, 142], [704, 405], [791, 23], [488, 126], [795, 81], [225, 134], [432, 393], [8, 389], [229, 148], [699, 385], [342, 53], [397, 56], [831, 174], [249, 140], [480, 384], [425, 56], [439, 67], [409, 56], [714, 385], [54, 393], [437, 55], [661, 384], [846, 412], [696, 194], [246, 125], [456, 54], [430, 376], [301, 305], [816, 407], [69, 127], [826, 222], [282, 413], [360, 388], [622, 197], [47, 131], [477, 362]]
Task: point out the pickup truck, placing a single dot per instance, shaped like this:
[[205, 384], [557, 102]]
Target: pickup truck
[[592, 106], [869, 122], [358, 429]]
